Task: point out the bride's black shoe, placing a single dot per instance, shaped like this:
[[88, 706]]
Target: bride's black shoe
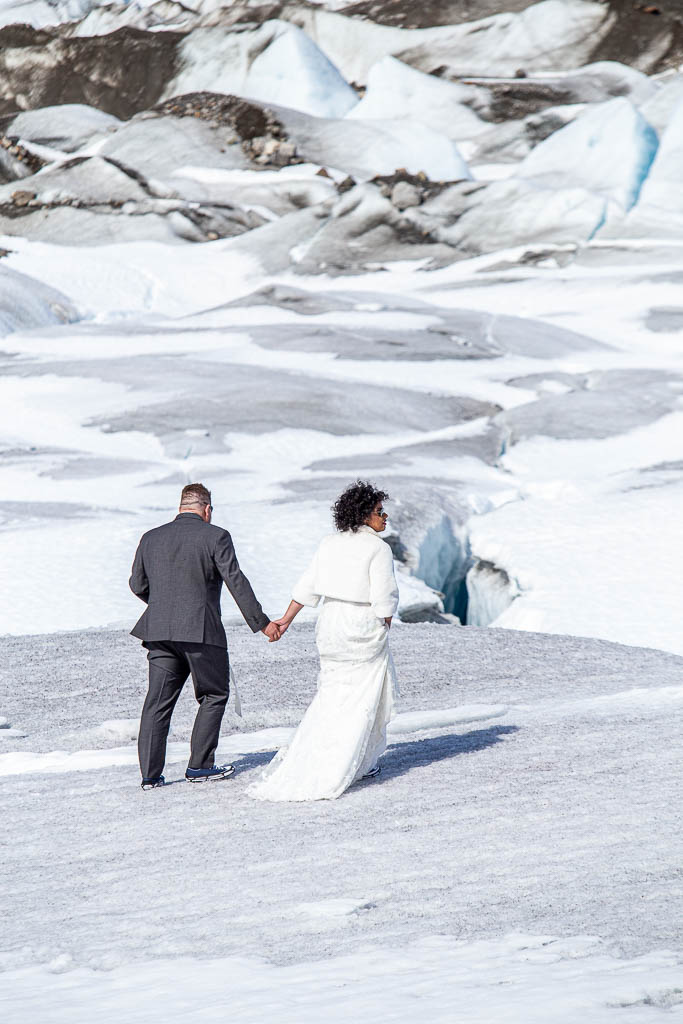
[[373, 773]]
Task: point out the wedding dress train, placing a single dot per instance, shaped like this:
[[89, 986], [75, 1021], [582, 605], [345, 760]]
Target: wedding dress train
[[344, 730]]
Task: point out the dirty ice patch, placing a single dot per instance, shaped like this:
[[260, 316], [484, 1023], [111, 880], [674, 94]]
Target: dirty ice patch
[[521, 979]]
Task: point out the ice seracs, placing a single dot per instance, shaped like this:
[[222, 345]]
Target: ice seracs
[[395, 90], [607, 150], [659, 211], [545, 35], [365, 149], [275, 63]]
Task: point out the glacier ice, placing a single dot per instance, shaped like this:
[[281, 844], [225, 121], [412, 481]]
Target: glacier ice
[[607, 150], [659, 109], [66, 127], [490, 591], [275, 63], [368, 148], [26, 303], [518, 212], [395, 90], [545, 35], [605, 79], [660, 207]]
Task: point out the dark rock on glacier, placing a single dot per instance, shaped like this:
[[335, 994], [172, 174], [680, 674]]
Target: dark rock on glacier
[[87, 200], [407, 14], [16, 161], [120, 73], [262, 135], [648, 36]]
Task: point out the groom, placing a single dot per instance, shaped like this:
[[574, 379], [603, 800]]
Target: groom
[[178, 572]]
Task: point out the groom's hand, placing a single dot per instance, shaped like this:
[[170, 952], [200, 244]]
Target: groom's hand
[[283, 625], [272, 631]]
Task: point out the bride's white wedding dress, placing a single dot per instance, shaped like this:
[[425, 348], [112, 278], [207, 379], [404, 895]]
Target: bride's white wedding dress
[[344, 730]]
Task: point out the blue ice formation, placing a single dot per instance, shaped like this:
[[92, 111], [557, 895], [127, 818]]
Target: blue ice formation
[[607, 150]]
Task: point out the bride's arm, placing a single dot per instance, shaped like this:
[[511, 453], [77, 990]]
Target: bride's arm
[[383, 587], [288, 618]]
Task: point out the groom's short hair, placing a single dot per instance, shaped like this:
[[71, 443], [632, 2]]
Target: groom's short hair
[[195, 494]]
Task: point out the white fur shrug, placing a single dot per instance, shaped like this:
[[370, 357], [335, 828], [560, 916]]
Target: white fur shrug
[[351, 567]]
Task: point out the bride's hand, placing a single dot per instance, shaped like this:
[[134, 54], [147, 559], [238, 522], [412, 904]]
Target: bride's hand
[[283, 625]]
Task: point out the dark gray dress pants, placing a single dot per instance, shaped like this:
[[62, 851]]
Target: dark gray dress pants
[[170, 663]]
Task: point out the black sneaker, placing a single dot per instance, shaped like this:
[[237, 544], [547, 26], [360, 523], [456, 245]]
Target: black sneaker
[[219, 771], [153, 783], [372, 773]]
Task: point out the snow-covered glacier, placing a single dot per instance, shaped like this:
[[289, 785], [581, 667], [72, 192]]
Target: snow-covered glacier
[[278, 249]]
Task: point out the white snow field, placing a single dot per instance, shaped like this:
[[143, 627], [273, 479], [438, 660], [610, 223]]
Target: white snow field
[[537, 439], [445, 255]]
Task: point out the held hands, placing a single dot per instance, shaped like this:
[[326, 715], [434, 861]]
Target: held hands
[[272, 631]]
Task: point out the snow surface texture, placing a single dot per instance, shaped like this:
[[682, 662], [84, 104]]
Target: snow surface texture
[[541, 846]]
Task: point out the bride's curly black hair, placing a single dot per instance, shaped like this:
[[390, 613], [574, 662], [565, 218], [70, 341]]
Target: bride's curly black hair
[[352, 508]]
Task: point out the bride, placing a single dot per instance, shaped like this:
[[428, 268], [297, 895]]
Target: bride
[[343, 731]]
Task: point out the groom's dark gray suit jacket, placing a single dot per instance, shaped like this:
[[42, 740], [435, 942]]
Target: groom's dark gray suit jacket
[[179, 569]]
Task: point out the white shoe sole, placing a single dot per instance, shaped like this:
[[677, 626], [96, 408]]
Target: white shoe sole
[[212, 778]]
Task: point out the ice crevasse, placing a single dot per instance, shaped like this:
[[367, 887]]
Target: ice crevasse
[[659, 210]]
